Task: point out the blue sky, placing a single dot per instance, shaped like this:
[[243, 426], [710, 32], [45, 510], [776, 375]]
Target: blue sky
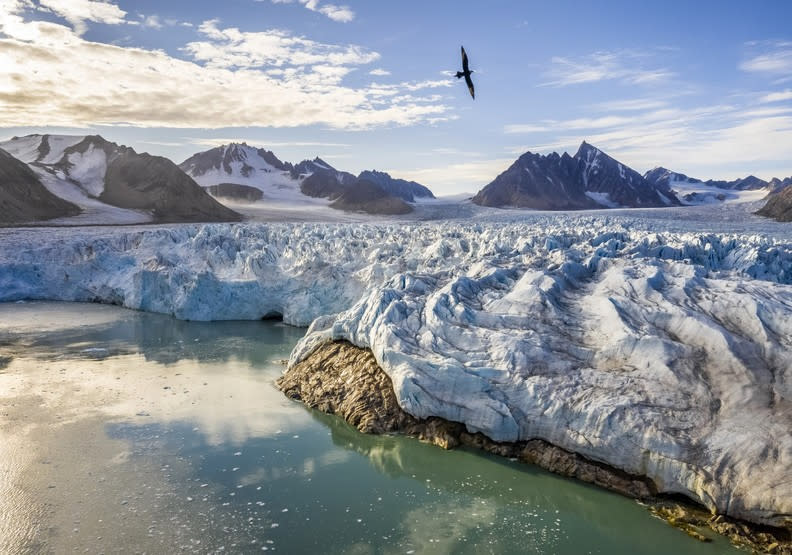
[[703, 88]]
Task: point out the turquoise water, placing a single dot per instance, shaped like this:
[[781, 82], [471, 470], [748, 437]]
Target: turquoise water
[[180, 443]]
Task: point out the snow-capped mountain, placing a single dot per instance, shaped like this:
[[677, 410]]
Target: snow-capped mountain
[[232, 170], [661, 175], [589, 179], [692, 191], [114, 184], [239, 164], [23, 198]]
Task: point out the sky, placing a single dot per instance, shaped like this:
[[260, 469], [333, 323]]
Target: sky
[[703, 88]]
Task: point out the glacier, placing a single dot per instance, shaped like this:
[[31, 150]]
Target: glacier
[[659, 350]]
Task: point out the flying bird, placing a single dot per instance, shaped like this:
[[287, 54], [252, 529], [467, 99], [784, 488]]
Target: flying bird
[[466, 71]]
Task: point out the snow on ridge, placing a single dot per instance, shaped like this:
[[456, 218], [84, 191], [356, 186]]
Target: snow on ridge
[[654, 352], [89, 169], [57, 145], [25, 149]]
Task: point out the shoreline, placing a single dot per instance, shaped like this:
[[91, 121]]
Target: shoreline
[[340, 378]]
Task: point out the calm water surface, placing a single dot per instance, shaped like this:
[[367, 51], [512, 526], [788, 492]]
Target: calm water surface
[[129, 432]]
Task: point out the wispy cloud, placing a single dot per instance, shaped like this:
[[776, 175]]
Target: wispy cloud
[[342, 14], [625, 66], [231, 79], [769, 57], [631, 104], [153, 22], [777, 96], [379, 72]]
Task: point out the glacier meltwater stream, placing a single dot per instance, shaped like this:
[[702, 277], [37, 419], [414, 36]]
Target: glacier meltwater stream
[[127, 431]]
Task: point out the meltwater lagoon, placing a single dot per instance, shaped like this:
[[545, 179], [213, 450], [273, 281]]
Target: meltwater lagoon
[[124, 431]]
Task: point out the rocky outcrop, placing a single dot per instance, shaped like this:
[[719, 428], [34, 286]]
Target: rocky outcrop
[[234, 191], [365, 196], [408, 191], [23, 198], [339, 378], [589, 179], [779, 206]]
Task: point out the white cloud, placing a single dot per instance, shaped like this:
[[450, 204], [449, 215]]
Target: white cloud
[[624, 66], [342, 14], [633, 104], [153, 22], [77, 12], [777, 96], [53, 77], [379, 72], [232, 48], [776, 59]]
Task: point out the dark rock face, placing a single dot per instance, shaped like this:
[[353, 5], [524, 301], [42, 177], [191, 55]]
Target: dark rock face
[[325, 182], [779, 206], [221, 158], [234, 191], [340, 378], [301, 170], [405, 190], [743, 184], [590, 179], [153, 183], [365, 196], [23, 198]]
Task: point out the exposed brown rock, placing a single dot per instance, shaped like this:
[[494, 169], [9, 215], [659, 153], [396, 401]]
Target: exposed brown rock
[[340, 378], [779, 206]]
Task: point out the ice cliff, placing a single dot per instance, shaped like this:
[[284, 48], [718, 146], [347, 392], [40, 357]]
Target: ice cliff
[[665, 354]]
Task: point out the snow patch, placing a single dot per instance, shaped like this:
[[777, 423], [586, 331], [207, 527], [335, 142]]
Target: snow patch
[[603, 199], [88, 169]]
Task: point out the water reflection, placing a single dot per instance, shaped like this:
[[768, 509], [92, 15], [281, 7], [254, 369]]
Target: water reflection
[[170, 436]]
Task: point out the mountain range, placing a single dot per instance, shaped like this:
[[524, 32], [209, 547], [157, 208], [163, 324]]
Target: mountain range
[[109, 183], [241, 172], [589, 179], [87, 179]]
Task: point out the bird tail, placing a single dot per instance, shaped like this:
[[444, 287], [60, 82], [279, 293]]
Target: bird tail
[[459, 74]]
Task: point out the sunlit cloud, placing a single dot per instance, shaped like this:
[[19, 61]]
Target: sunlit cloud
[[54, 77], [455, 177], [77, 12], [379, 72]]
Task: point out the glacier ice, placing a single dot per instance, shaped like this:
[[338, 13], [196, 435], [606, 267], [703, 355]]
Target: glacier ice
[[664, 353]]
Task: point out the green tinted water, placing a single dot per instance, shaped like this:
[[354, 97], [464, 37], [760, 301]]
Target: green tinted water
[[126, 431]]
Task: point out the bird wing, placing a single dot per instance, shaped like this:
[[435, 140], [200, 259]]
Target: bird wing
[[469, 82], [464, 61]]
